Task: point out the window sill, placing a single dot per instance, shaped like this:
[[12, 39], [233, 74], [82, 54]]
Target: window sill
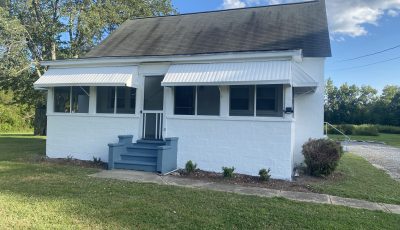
[[230, 118], [93, 115]]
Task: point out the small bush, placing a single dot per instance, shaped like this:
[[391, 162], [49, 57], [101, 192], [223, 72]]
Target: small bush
[[346, 129], [321, 156], [97, 161], [264, 174], [70, 158], [228, 172], [365, 130], [361, 130], [388, 129], [190, 167]]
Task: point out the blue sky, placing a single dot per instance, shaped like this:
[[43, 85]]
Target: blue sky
[[358, 27]]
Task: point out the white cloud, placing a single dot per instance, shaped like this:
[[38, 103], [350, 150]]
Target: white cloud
[[232, 4], [351, 17], [346, 17], [393, 13]]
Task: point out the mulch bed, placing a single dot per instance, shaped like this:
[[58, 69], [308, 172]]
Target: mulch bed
[[70, 162], [299, 184]]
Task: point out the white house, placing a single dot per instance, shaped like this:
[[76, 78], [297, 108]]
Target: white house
[[241, 87]]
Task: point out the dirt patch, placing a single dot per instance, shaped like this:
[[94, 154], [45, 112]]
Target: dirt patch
[[303, 183]]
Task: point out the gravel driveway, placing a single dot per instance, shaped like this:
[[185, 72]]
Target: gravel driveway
[[380, 155]]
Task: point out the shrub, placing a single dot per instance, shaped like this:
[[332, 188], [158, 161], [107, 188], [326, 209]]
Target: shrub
[[97, 161], [264, 174], [228, 172], [365, 130], [12, 119], [388, 129], [321, 156], [362, 130], [346, 129], [190, 167]]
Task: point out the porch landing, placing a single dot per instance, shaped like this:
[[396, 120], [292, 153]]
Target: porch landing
[[146, 177]]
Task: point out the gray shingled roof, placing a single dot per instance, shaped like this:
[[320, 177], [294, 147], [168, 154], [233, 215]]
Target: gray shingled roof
[[272, 28]]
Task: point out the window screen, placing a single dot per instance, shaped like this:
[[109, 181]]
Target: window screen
[[208, 100], [80, 99], [126, 100], [105, 99], [241, 101], [62, 99], [184, 100], [269, 100]]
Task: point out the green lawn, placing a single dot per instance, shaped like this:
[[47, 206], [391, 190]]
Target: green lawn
[[49, 196], [361, 180], [390, 139]]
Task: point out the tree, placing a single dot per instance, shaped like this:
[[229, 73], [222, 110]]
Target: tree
[[53, 29], [362, 105]]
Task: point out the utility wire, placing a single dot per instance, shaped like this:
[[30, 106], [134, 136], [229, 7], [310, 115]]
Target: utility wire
[[374, 63], [371, 54]]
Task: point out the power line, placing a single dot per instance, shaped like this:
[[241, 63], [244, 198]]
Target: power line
[[371, 54], [374, 63]]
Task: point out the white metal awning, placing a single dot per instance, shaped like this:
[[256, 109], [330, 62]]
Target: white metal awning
[[301, 78], [88, 76], [250, 73]]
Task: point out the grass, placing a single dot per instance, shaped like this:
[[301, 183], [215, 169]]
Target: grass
[[50, 196], [390, 139], [361, 180]]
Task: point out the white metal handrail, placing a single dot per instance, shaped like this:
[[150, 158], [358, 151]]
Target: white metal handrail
[[326, 131]]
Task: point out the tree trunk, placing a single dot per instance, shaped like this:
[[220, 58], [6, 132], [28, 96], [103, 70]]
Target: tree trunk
[[53, 51], [40, 121]]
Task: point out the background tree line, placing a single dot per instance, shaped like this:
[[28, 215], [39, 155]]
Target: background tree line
[[35, 30], [350, 104]]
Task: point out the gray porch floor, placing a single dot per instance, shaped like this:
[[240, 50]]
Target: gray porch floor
[[145, 177]]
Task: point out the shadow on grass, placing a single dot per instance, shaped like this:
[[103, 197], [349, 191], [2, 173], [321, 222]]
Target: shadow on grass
[[17, 135]]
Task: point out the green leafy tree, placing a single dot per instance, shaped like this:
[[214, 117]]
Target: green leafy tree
[[361, 105], [35, 30]]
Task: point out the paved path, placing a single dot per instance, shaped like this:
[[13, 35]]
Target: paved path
[[144, 177], [381, 156]]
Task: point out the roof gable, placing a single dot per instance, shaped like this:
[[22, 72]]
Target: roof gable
[[272, 28]]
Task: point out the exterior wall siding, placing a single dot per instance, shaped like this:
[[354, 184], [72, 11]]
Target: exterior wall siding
[[309, 108], [85, 137], [248, 145]]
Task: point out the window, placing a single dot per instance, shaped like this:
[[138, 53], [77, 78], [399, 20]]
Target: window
[[269, 100], [208, 100], [207, 103], [241, 101], [80, 99], [62, 102], [71, 99], [121, 100], [184, 100], [265, 100]]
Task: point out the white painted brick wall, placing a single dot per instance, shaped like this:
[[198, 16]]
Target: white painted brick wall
[[84, 137], [247, 145]]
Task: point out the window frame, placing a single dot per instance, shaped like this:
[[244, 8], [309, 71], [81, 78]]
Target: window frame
[[195, 98], [115, 107], [70, 99], [279, 100]]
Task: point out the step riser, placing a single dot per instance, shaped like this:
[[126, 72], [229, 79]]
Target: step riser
[[145, 168], [152, 143], [150, 159], [151, 152]]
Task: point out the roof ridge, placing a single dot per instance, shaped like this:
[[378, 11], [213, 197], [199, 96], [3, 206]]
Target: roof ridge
[[225, 10]]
